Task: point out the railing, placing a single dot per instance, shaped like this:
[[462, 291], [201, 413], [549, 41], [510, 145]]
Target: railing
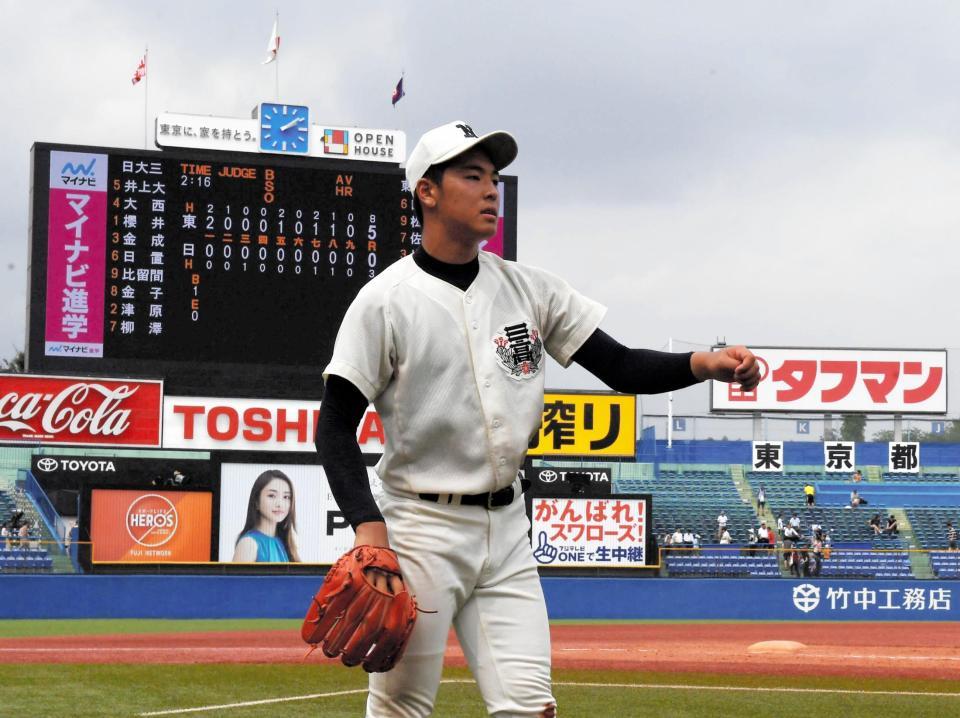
[[56, 525], [745, 560]]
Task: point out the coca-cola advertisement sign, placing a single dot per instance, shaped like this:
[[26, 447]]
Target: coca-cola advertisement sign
[[80, 411]]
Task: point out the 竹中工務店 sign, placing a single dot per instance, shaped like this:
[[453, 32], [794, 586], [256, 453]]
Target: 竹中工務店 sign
[[587, 424], [890, 381]]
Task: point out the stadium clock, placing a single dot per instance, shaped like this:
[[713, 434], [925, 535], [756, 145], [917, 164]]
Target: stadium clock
[[284, 128]]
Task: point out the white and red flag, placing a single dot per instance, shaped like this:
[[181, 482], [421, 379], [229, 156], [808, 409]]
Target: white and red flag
[[274, 45], [141, 71]]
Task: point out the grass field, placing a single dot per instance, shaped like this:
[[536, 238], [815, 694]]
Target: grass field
[[322, 689]]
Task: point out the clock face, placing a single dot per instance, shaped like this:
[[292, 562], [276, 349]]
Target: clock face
[[284, 128]]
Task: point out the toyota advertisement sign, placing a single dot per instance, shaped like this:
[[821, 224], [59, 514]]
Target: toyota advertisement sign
[[584, 481]]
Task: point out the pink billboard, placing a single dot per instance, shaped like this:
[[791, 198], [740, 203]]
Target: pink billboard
[[76, 254]]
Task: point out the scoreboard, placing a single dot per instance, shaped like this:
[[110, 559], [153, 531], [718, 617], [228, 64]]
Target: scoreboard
[[223, 273]]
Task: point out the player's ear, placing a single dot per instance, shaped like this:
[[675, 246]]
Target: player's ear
[[427, 192]]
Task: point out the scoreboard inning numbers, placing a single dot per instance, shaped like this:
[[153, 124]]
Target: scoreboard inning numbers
[[220, 272]]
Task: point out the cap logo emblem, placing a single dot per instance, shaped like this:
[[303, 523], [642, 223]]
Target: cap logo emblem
[[467, 131]]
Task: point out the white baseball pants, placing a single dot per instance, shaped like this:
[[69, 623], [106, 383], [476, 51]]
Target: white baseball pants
[[475, 568]]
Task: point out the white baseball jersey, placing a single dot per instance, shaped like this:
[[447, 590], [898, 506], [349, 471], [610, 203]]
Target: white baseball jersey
[[458, 377]]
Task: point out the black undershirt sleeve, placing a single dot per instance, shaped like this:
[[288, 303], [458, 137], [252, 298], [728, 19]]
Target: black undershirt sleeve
[[634, 371], [340, 413]]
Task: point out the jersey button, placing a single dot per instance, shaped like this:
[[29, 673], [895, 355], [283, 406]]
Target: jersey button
[[476, 325], [486, 384], [496, 423], [502, 461], [469, 299]]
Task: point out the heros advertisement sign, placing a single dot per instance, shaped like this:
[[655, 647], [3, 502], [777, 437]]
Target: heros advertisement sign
[[215, 424], [150, 526], [887, 381], [80, 411]]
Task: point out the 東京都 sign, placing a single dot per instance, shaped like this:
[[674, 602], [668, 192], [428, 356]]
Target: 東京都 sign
[[876, 381]]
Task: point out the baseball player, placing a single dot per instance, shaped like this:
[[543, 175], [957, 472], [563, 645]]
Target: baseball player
[[448, 344]]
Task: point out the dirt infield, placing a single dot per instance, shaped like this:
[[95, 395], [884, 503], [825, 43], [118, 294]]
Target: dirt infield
[[910, 650]]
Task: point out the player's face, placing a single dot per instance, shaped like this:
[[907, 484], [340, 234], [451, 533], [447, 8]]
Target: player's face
[[468, 199], [275, 501]]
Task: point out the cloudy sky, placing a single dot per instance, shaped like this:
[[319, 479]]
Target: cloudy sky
[[775, 173]]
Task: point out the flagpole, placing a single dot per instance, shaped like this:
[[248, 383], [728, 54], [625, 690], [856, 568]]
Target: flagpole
[[276, 62], [146, 88]]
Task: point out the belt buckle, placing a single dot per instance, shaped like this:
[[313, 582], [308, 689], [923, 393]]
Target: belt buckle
[[493, 501]]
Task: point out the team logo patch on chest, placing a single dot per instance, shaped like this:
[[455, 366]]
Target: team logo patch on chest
[[519, 350]]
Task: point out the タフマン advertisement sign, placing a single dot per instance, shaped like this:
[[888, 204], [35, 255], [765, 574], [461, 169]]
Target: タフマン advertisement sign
[[80, 411], [878, 381]]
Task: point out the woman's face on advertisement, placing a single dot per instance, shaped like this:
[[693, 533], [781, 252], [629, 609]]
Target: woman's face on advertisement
[[275, 501]]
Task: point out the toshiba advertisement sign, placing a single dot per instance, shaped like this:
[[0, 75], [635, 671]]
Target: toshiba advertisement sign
[[213, 424], [875, 381], [80, 411]]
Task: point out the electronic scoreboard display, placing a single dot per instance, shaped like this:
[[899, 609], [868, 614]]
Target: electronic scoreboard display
[[223, 273]]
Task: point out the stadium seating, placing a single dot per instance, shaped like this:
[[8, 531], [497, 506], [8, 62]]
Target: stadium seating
[[929, 525], [691, 500], [867, 564], [946, 564], [707, 564]]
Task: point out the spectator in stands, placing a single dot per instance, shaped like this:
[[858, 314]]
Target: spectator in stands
[[893, 527], [676, 540], [811, 493], [688, 538], [763, 534], [725, 537], [721, 522], [817, 547], [5, 535], [795, 522], [951, 536], [790, 536], [780, 524], [793, 561], [856, 500], [24, 535], [761, 499], [874, 523], [815, 529], [857, 476], [751, 538]]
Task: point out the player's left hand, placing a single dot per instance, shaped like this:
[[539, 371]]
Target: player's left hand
[[730, 364]]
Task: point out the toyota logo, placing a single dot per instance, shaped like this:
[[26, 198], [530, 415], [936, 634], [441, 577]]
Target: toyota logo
[[548, 476], [47, 464]]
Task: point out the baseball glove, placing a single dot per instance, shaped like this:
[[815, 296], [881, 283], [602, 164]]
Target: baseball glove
[[351, 618]]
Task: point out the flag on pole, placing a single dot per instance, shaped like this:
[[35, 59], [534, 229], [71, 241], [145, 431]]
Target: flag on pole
[[274, 45], [141, 71], [398, 92]]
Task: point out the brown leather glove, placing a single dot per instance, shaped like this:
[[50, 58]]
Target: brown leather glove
[[351, 618]]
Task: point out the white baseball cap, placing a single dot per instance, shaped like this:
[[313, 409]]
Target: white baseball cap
[[454, 138]]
